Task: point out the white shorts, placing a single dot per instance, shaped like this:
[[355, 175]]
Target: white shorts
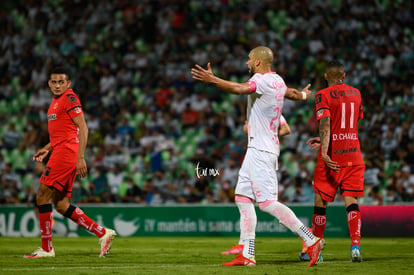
[[257, 176]]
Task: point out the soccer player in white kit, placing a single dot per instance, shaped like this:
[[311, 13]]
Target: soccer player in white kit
[[257, 181]]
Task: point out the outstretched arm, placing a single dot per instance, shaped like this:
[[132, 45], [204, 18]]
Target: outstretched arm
[[207, 76], [294, 94]]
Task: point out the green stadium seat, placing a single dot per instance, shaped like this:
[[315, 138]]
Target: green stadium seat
[[27, 180], [123, 189], [15, 83], [138, 179]]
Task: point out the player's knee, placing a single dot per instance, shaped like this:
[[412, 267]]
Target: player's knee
[[44, 195], [262, 205], [62, 207], [42, 198], [352, 207], [69, 211]]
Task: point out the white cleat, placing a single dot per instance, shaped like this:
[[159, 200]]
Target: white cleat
[[356, 254], [106, 241], [40, 253]]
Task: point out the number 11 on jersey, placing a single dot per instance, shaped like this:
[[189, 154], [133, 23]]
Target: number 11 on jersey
[[343, 115]]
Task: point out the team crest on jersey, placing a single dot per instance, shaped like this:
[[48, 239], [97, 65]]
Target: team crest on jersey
[[78, 110], [319, 113], [55, 106]]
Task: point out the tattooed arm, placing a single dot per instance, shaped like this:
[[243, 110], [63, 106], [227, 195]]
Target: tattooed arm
[[325, 136]]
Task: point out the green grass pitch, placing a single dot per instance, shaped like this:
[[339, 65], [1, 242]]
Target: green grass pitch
[[196, 255]]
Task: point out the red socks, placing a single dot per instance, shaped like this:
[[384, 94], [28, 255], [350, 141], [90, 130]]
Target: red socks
[[45, 220], [318, 221], [354, 226], [353, 217], [76, 214]]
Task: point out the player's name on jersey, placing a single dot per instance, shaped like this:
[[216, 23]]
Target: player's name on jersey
[[346, 136], [338, 94]]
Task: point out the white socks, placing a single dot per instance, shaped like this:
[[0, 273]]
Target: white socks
[[286, 217], [248, 221]]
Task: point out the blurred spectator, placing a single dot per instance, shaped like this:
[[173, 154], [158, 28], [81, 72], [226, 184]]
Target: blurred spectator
[[231, 172], [9, 193], [11, 177], [189, 117], [115, 179], [11, 137], [131, 193]]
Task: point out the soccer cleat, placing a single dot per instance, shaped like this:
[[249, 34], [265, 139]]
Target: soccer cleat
[[106, 241], [356, 254], [40, 253], [237, 249], [241, 260], [314, 251], [305, 258]]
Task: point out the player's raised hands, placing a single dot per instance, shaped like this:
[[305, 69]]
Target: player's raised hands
[[201, 74], [307, 91]]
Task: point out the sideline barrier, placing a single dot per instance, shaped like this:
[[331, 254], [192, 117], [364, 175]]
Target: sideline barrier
[[196, 220]]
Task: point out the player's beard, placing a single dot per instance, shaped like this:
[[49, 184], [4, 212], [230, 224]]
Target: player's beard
[[251, 72]]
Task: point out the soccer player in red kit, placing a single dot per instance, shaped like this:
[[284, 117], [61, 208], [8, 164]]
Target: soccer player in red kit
[[340, 163], [68, 135]]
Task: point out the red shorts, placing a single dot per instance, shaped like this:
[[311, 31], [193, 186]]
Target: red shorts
[[59, 175], [349, 179]]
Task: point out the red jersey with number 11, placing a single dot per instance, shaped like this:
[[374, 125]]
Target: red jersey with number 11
[[342, 103]]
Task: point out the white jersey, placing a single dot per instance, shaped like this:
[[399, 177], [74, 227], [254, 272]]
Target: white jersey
[[264, 110]]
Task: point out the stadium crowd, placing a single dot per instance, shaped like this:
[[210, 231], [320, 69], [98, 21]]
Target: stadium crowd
[[156, 136]]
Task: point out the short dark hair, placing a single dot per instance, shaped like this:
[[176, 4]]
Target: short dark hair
[[60, 70], [334, 70], [334, 63]]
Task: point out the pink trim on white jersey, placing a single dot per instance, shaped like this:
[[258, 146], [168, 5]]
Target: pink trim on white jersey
[[252, 85], [282, 120]]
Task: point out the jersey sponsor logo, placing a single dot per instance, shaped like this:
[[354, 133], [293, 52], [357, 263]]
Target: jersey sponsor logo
[[346, 136], [337, 94], [346, 151], [51, 117], [71, 98], [55, 106], [278, 85]]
